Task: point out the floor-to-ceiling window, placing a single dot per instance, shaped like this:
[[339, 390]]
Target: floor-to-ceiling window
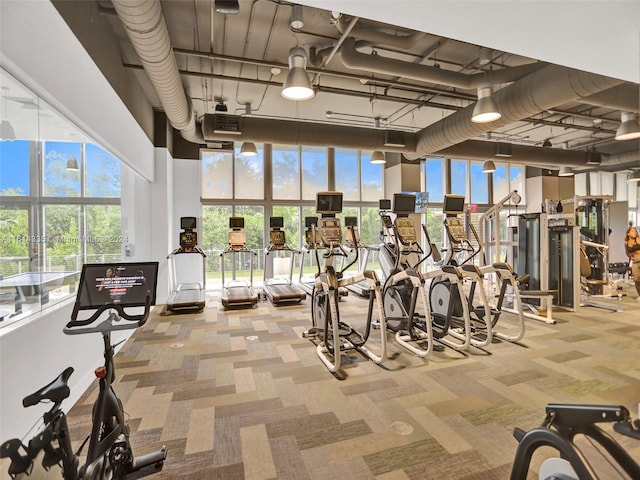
[[59, 203]]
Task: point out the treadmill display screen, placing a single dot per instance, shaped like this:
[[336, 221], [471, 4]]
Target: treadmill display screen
[[236, 222], [276, 222]]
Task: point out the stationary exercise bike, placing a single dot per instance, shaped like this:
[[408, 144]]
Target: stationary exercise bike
[[562, 423], [334, 335], [110, 454]]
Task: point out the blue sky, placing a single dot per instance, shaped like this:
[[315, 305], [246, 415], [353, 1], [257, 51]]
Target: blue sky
[[14, 165]]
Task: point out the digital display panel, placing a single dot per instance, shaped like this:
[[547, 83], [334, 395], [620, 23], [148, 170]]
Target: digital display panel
[[328, 203], [276, 222], [309, 221], [384, 204], [188, 223], [125, 284], [453, 204], [350, 221], [236, 222], [404, 203]]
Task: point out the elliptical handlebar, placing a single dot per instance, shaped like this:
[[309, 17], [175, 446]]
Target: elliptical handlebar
[[73, 327]]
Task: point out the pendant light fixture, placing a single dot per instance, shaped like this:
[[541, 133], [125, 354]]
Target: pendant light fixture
[[488, 167], [377, 157], [72, 164], [629, 128], [297, 85], [486, 109], [565, 172], [248, 149]]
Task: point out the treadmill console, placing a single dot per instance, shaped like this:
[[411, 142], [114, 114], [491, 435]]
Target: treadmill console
[[455, 227], [330, 231], [309, 222], [237, 239], [277, 238], [406, 231], [188, 238]]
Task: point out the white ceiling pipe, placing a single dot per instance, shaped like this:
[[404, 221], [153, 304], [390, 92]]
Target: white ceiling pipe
[[374, 34], [426, 73], [625, 97], [144, 23]]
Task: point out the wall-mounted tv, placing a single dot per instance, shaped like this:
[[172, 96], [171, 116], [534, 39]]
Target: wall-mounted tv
[[236, 223], [328, 203], [125, 284], [276, 222], [453, 204], [404, 203]]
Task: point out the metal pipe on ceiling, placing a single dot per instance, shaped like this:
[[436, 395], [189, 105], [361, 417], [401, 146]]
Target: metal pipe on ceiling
[[546, 88], [147, 31], [426, 73]]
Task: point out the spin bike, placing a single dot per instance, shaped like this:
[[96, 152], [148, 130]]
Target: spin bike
[[336, 336], [110, 455], [563, 422]]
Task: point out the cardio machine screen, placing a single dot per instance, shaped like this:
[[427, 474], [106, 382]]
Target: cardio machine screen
[[329, 203], [404, 203], [188, 223], [276, 222], [236, 222], [453, 204], [384, 204], [126, 284]]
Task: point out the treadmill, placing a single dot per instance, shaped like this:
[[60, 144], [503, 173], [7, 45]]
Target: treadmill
[[186, 297], [280, 290], [237, 293], [352, 235]]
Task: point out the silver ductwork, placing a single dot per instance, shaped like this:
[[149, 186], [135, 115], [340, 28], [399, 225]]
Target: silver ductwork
[[520, 154], [426, 73], [376, 36], [625, 97], [144, 22], [294, 132], [548, 87]]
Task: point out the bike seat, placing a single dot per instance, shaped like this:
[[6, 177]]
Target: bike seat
[[55, 391]]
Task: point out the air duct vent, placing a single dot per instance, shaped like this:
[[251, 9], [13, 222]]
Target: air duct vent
[[221, 123], [394, 138]]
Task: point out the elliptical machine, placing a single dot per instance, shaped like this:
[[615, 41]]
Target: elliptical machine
[[404, 284], [334, 335]]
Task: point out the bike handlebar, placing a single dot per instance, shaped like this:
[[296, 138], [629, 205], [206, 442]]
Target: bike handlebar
[[72, 328]]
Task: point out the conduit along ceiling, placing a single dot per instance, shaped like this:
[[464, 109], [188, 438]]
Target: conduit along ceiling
[[217, 68]]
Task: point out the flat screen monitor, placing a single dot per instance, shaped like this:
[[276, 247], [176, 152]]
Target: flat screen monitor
[[188, 223], [309, 221], [453, 204], [125, 284], [276, 222], [329, 203], [385, 204], [404, 203], [236, 223], [350, 221], [422, 201]]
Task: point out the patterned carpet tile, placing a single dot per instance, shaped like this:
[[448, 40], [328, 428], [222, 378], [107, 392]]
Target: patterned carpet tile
[[240, 394]]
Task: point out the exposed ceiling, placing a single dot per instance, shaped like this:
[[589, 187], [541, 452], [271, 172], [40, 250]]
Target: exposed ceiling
[[368, 75]]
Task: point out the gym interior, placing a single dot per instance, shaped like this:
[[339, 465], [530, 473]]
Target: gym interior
[[368, 279]]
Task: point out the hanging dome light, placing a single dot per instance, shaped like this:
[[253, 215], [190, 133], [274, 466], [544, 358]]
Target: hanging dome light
[[297, 85], [486, 109], [248, 149], [377, 157]]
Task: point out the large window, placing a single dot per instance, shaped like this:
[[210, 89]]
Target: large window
[[346, 172], [434, 174], [286, 172], [60, 196], [314, 171], [459, 177]]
